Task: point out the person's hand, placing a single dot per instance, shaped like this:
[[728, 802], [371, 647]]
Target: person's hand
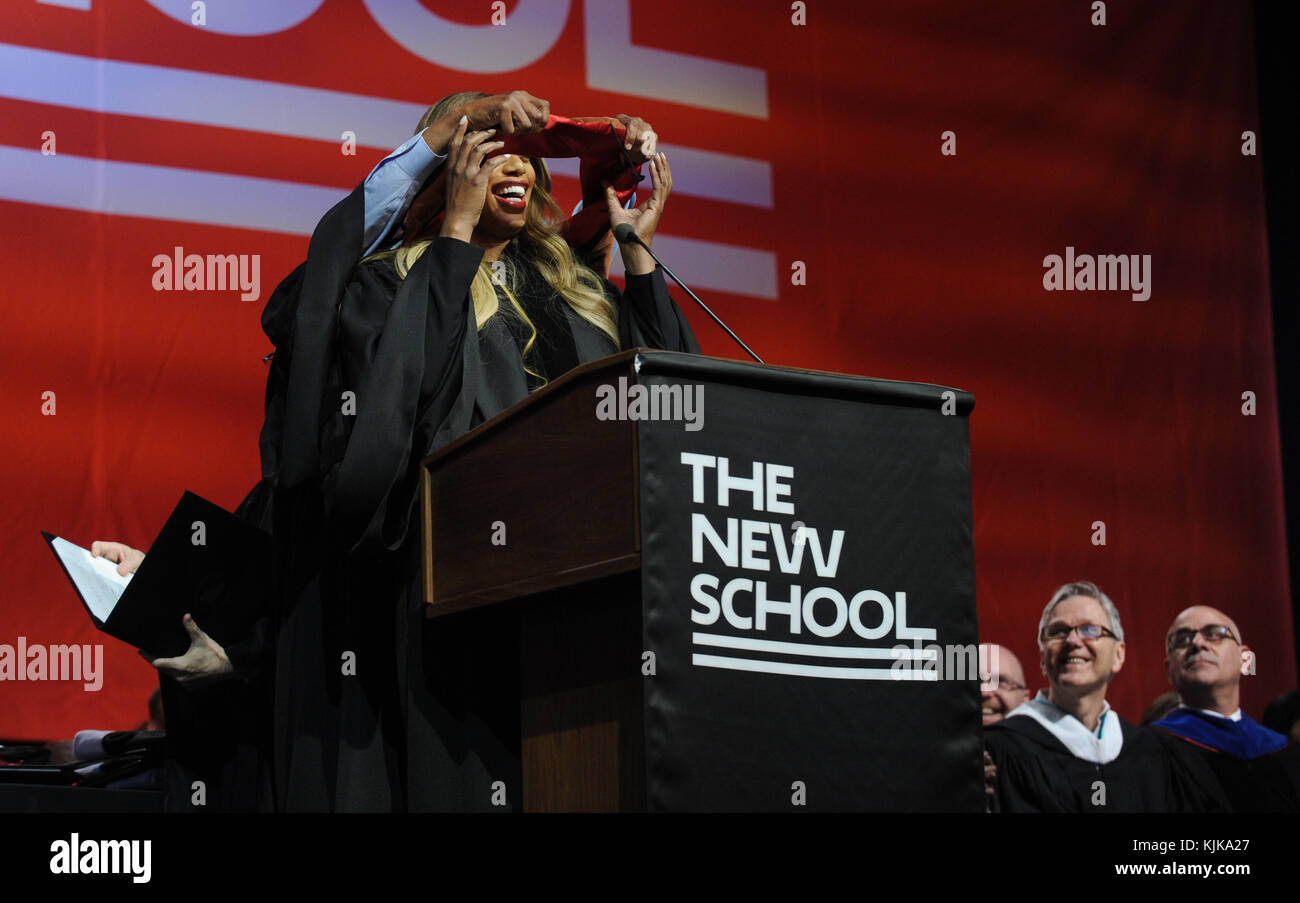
[[204, 660], [990, 775], [468, 172], [644, 219], [516, 113], [640, 141], [127, 558]]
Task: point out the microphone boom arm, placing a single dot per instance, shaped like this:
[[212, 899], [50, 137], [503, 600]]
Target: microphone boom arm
[[625, 233]]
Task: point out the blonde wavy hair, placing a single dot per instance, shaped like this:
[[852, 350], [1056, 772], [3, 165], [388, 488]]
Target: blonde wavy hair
[[538, 244]]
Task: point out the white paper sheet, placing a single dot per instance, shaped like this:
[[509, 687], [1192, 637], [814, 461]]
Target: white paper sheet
[[96, 579]]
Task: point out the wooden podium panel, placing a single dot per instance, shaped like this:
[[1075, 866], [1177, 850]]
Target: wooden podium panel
[[583, 739], [560, 481]]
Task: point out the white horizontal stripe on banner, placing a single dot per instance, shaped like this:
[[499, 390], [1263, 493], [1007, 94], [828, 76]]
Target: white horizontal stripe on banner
[[710, 265], [745, 664], [162, 192], [202, 98], [255, 105], [268, 205], [813, 649], [614, 63]]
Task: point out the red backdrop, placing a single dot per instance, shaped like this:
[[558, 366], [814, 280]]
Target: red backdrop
[[1122, 138]]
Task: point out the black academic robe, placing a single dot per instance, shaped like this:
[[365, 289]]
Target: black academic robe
[[373, 710], [218, 739], [1269, 783], [1037, 773], [218, 756], [1253, 775]]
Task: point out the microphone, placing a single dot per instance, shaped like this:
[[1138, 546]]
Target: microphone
[[625, 234]]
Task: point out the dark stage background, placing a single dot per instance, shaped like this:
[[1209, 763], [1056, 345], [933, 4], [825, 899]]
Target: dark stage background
[[817, 144]]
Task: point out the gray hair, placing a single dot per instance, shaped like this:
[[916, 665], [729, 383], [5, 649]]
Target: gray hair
[[1082, 588]]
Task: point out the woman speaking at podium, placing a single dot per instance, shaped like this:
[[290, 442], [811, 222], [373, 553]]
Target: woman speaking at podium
[[380, 362]]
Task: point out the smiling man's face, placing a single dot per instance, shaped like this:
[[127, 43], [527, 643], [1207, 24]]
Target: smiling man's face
[[1074, 664], [1200, 663], [1002, 687]]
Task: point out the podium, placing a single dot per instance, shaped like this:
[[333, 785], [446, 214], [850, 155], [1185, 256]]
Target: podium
[[736, 587]]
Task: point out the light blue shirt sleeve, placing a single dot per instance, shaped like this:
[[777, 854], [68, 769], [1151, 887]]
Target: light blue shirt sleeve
[[392, 185]]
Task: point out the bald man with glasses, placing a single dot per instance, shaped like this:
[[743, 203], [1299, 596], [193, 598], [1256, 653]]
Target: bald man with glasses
[[1205, 660], [1002, 682], [1066, 750]]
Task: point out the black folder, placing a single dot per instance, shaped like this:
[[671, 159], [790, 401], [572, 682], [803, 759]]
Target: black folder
[[206, 562]]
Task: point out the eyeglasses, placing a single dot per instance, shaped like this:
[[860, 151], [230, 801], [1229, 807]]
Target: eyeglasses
[[1008, 685], [1213, 633], [1059, 633]]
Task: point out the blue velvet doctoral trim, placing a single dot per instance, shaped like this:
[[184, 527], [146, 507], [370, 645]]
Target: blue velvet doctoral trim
[[1244, 739]]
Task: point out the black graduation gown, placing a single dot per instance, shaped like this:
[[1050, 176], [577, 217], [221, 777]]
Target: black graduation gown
[[357, 725], [1037, 773], [218, 733], [1269, 783]]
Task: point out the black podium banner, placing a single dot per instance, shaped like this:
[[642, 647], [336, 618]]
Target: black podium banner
[[808, 592]]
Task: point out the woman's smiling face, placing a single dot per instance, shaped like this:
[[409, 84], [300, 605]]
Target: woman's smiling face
[[510, 191]]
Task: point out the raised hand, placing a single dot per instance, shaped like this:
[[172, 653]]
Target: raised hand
[[468, 172], [127, 558], [644, 219], [516, 113], [640, 141]]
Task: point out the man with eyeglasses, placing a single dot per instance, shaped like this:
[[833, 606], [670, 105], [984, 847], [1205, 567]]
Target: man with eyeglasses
[[1002, 685], [1002, 689], [1066, 750], [1205, 660]]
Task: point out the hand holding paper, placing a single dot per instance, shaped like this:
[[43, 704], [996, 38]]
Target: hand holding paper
[[127, 559]]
